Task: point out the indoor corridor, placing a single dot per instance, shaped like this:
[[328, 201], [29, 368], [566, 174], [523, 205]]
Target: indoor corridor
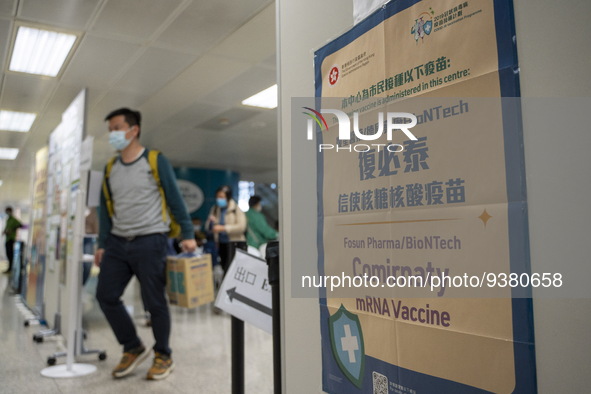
[[200, 341]]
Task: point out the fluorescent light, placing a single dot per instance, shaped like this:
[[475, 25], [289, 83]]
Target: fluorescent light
[[41, 52], [16, 121], [8, 153], [265, 99], [1, 182]]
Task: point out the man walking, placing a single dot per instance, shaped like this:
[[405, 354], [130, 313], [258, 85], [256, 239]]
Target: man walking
[[139, 202], [12, 225]]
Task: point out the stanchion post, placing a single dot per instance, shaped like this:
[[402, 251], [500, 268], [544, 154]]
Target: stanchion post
[[237, 339], [272, 257], [237, 356]]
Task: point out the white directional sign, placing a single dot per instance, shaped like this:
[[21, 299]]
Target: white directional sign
[[245, 292]]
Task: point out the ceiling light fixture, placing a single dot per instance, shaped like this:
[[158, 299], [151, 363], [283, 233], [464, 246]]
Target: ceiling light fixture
[[8, 153], [265, 99], [41, 52], [16, 121]]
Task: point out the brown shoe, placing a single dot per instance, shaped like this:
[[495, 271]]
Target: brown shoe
[[161, 368], [130, 361]]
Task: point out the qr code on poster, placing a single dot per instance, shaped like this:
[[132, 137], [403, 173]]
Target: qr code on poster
[[380, 383]]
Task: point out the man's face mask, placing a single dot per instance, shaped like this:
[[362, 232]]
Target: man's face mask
[[117, 139]]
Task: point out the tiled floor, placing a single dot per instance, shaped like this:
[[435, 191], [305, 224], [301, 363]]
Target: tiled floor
[[200, 341]]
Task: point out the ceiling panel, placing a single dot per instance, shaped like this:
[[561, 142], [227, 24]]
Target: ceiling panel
[[7, 8], [231, 148], [236, 154], [207, 22], [239, 11], [255, 133], [26, 93], [204, 33], [153, 70], [5, 31], [71, 14], [235, 90], [254, 41], [205, 75], [263, 125], [202, 148], [104, 57], [194, 114], [135, 20], [12, 139], [228, 118]]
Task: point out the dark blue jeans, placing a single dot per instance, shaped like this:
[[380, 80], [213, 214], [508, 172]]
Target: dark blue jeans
[[144, 257]]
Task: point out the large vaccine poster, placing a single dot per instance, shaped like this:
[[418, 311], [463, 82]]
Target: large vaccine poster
[[422, 205]]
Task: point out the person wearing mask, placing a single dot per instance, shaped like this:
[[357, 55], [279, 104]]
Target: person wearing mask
[[12, 225], [227, 222], [258, 232], [137, 207]]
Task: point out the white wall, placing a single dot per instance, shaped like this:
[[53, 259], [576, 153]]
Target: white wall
[[553, 42], [304, 26]]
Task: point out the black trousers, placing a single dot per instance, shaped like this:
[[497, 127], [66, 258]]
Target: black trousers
[[227, 252], [144, 257], [9, 253]]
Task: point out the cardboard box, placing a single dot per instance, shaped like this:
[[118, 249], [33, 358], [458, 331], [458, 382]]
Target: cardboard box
[[189, 280]]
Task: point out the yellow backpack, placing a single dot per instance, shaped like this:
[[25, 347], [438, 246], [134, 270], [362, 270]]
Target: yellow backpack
[[175, 228]]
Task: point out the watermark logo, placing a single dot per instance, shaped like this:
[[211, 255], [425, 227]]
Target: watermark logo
[[346, 340], [318, 118], [387, 122], [423, 25]]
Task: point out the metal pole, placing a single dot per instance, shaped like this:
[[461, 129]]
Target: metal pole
[[237, 356], [272, 257], [237, 340]]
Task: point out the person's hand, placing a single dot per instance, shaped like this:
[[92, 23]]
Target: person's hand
[[188, 245], [212, 219], [98, 257], [219, 228]]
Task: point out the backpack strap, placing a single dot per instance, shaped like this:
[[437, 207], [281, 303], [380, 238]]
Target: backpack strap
[[107, 186], [153, 161]]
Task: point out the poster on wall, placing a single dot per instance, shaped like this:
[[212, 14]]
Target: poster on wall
[[38, 239], [63, 180], [422, 220], [67, 142], [198, 186]]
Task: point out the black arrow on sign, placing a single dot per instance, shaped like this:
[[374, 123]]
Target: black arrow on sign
[[239, 297]]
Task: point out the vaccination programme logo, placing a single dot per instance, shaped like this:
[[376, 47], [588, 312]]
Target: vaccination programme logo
[[423, 25]]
